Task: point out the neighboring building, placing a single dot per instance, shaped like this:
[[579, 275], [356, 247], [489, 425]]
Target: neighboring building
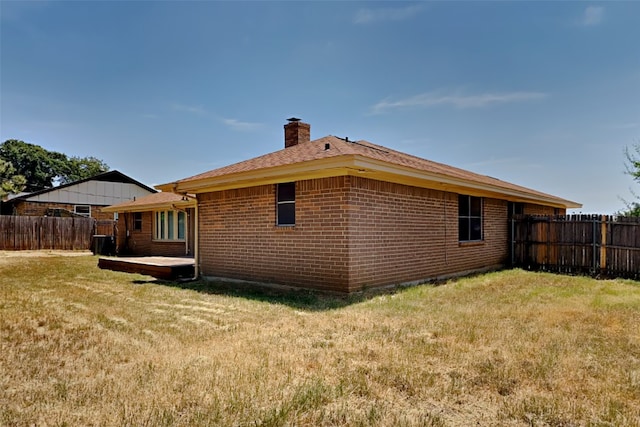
[[160, 224], [86, 197], [340, 215]]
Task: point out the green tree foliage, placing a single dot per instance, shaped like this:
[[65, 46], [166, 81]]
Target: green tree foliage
[[632, 156], [39, 166], [42, 168], [633, 209], [633, 161], [83, 167], [10, 182]]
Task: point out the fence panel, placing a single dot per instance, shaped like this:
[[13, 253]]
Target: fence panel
[[106, 227], [34, 233], [50, 234], [623, 245], [592, 244]]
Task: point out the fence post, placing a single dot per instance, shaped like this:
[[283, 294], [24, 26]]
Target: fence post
[[594, 261], [548, 248], [603, 244], [513, 241]]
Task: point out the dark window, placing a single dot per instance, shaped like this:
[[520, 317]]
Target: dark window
[[469, 218], [286, 203], [84, 210], [137, 221], [515, 209]]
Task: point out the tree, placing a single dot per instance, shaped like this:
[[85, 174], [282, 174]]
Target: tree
[[633, 161], [42, 168], [633, 209], [632, 166], [10, 183], [81, 168]]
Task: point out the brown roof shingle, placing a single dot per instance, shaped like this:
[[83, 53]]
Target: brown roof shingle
[[152, 200], [315, 150]]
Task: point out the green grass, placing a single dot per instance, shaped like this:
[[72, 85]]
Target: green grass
[[83, 346]]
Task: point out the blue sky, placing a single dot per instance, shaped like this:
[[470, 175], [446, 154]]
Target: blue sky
[[541, 94]]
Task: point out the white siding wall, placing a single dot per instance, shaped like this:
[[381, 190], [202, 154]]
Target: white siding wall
[[93, 193]]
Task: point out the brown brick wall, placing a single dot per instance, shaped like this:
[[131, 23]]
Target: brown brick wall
[[27, 208], [141, 243], [350, 233], [531, 209], [403, 234], [239, 237]]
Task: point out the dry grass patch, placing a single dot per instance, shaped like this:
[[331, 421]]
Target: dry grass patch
[[82, 346]]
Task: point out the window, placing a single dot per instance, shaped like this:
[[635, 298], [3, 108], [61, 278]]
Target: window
[[84, 210], [286, 203], [115, 216], [515, 209], [469, 218], [169, 225], [137, 221]]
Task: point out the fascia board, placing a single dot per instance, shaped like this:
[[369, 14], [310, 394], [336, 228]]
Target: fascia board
[[370, 167], [357, 165], [321, 168], [150, 207]]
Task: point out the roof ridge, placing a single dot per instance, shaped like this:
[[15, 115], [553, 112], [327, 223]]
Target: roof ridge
[[331, 146]]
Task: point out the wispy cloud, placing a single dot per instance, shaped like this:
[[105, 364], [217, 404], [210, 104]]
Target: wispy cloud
[[239, 125], [592, 15], [457, 100], [234, 124], [369, 16], [190, 109]]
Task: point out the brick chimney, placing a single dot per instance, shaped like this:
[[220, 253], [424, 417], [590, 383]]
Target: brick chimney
[[296, 132]]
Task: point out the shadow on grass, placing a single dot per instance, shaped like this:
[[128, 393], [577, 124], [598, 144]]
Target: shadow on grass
[[301, 299]]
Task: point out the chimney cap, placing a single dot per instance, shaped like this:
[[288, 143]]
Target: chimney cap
[[293, 119]]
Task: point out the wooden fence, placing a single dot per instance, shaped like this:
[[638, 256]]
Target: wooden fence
[[598, 245], [35, 233], [105, 227]]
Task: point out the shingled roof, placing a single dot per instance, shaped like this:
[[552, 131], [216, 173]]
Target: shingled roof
[[333, 156], [161, 200]]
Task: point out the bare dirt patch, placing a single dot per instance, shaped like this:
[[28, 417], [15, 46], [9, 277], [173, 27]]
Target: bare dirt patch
[[43, 253]]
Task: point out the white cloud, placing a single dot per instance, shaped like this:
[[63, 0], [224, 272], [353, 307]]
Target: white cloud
[[592, 15], [368, 16], [238, 125], [234, 124], [431, 99], [190, 109]]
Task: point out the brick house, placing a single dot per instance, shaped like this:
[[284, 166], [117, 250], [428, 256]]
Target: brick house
[[160, 224], [340, 215], [86, 197]]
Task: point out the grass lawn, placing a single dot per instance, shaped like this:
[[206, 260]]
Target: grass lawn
[[80, 346]]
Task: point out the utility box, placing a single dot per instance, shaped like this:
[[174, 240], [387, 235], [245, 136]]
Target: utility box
[[103, 245]]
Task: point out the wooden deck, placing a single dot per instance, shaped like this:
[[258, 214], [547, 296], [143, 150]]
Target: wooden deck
[[166, 268]]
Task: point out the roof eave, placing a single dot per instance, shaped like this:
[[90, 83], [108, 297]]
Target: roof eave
[[320, 168], [183, 204], [376, 169], [356, 165]]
